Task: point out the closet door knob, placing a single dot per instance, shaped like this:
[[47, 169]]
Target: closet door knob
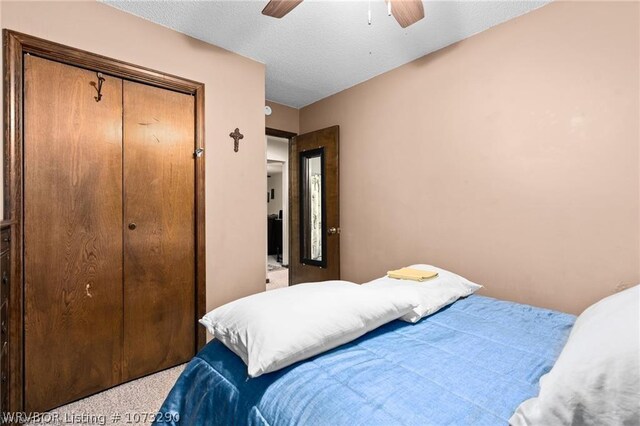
[[132, 226]]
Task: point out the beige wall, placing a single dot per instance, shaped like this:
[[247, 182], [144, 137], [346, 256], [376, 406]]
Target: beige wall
[[283, 118], [510, 157], [234, 97], [275, 182]]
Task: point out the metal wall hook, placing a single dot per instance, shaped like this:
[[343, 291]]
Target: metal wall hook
[[99, 87]]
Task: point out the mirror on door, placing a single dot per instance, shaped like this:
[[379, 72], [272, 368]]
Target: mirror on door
[[312, 211]]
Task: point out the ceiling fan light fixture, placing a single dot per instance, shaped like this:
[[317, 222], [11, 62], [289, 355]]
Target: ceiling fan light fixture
[[406, 12], [279, 8]]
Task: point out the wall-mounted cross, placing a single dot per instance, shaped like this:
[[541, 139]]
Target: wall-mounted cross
[[236, 135]]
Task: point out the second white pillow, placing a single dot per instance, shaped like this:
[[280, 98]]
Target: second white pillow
[[429, 296]]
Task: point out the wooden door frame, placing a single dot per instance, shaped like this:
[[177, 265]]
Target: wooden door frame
[[289, 136], [15, 46]]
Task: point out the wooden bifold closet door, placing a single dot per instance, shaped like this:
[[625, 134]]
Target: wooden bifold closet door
[[159, 261], [109, 261], [72, 234]]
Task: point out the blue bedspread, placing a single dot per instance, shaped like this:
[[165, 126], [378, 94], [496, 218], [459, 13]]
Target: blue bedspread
[[471, 363]]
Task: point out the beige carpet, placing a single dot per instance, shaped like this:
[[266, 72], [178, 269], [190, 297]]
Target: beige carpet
[[278, 279], [124, 404]]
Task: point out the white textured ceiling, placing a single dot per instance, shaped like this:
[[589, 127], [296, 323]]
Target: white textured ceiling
[[323, 47]]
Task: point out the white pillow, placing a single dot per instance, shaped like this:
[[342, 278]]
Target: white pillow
[[274, 329], [429, 296], [596, 379]]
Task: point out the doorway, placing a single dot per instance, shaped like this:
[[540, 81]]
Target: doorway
[[303, 223], [277, 212]]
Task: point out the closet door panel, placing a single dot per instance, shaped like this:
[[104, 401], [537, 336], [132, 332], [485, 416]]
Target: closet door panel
[[72, 233], [159, 261]]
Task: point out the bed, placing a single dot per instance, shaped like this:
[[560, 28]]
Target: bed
[[473, 362]]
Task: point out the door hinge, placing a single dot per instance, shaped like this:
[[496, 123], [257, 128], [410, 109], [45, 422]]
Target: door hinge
[[198, 152]]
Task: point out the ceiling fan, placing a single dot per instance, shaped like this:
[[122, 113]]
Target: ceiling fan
[[406, 12]]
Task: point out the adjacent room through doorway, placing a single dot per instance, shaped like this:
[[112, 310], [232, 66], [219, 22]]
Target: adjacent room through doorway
[[277, 212]]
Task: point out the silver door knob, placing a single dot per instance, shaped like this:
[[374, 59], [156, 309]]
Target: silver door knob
[[333, 231]]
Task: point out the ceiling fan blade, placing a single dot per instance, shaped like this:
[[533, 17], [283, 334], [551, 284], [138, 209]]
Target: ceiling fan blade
[[407, 12], [279, 8]]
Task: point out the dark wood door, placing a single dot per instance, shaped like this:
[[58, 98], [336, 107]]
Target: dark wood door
[[159, 257], [72, 233], [314, 207]]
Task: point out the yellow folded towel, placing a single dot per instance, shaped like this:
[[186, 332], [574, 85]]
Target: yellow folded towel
[[412, 274]]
